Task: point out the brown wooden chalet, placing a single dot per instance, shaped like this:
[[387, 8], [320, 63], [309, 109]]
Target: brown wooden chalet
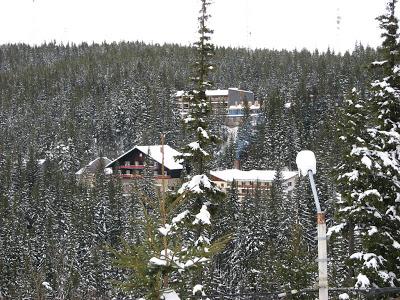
[[130, 165]]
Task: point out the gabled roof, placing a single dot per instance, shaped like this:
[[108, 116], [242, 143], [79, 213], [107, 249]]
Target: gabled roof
[[253, 175], [94, 165], [154, 152]]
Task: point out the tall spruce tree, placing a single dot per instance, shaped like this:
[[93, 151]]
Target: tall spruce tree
[[375, 203], [175, 250]]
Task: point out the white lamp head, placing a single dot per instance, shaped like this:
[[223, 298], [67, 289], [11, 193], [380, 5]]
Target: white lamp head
[[306, 161]]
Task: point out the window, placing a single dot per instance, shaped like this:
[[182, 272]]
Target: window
[[128, 172], [155, 173], [140, 154], [136, 163], [127, 163], [289, 183]]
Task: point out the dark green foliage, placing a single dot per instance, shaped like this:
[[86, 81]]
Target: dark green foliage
[[368, 176], [70, 103]]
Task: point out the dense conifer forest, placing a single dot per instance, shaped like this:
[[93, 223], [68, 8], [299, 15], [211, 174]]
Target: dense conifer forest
[[61, 106]]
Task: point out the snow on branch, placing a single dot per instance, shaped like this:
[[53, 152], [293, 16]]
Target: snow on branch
[[203, 217], [199, 184], [195, 146]]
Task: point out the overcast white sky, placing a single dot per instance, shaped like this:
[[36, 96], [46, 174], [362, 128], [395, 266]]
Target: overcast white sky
[[270, 24]]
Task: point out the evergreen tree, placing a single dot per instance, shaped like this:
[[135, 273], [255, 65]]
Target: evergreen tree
[[375, 207]]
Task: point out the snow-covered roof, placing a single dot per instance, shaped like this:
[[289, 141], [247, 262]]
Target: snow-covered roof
[[217, 93], [253, 175], [93, 165], [208, 93], [154, 153]]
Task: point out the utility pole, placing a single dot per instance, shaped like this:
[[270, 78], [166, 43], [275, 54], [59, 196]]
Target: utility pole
[[306, 164]]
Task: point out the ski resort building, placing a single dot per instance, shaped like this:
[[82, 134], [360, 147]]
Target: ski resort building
[[131, 165], [247, 181], [86, 174], [230, 103]]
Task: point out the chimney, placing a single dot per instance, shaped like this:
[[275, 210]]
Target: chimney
[[236, 164]]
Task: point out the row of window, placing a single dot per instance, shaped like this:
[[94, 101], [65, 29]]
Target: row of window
[[252, 183]]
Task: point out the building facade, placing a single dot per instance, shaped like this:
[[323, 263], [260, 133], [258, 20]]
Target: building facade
[[87, 174], [248, 181], [230, 103], [132, 165]]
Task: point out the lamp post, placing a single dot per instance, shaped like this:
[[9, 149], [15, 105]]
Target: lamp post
[[307, 165]]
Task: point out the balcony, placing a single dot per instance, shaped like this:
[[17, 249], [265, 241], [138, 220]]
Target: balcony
[[130, 167], [130, 176], [162, 177]]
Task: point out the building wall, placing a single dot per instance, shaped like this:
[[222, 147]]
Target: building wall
[[236, 96], [248, 186]]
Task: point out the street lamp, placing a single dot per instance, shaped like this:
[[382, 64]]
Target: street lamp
[[307, 165]]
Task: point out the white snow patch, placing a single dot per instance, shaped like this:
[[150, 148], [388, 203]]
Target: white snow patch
[[372, 230], [396, 244], [203, 132], [203, 217], [379, 63], [366, 161], [158, 262], [335, 229], [353, 175], [165, 230], [198, 288], [288, 105], [47, 285], [344, 296], [196, 146], [368, 193], [170, 295], [195, 260], [198, 184], [180, 217], [362, 281]]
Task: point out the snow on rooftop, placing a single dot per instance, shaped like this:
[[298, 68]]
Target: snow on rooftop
[[217, 93], [213, 92], [155, 153], [253, 175], [94, 164], [208, 93]]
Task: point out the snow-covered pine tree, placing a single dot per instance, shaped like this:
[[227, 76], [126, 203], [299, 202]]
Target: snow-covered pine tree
[[175, 245], [351, 134], [195, 153], [375, 208]]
